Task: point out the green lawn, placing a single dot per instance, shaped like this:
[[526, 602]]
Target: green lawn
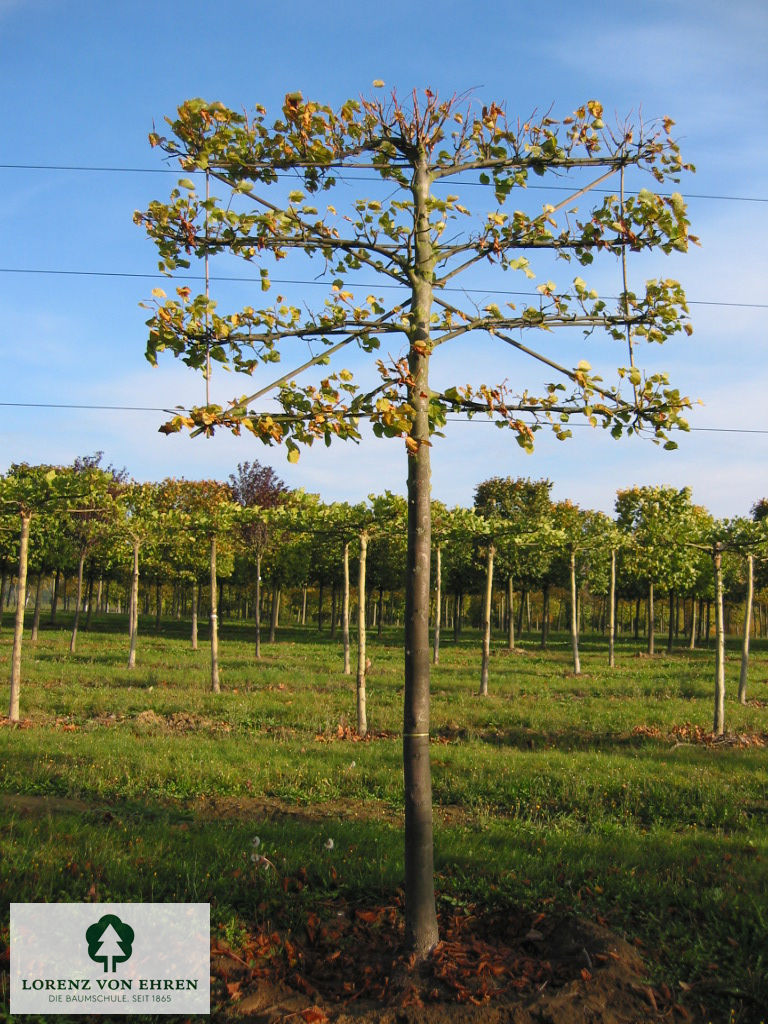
[[593, 793]]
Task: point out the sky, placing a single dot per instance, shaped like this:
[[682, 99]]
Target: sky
[[85, 82]]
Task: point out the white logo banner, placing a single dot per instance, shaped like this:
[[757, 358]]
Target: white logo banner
[[110, 958]]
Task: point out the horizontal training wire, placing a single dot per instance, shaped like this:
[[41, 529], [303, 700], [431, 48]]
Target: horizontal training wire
[[298, 281]]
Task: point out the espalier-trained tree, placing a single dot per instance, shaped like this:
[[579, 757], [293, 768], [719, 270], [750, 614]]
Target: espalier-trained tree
[[416, 236]]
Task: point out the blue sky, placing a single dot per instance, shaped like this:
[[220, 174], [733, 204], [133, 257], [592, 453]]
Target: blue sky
[[84, 82]]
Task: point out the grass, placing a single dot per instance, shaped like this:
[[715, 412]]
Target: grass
[[581, 792]]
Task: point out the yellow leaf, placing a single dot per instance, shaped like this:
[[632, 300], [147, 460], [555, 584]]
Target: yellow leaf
[[158, 293], [377, 83], [293, 455]]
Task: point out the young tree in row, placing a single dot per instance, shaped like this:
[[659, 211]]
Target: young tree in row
[[408, 235], [27, 492]]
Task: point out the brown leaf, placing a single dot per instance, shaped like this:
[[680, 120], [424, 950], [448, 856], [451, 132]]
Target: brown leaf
[[314, 1015]]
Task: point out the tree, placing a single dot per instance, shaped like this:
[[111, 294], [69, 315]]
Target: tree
[[255, 487], [661, 523], [402, 234]]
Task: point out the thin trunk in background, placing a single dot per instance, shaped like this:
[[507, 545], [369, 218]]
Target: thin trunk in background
[[18, 629], [694, 625], [719, 721], [345, 612], [438, 604], [511, 614], [487, 599], [55, 598], [36, 616], [574, 616], [362, 718], [133, 606], [747, 628], [274, 613], [612, 613], [215, 682], [195, 608], [257, 619], [651, 618], [78, 600]]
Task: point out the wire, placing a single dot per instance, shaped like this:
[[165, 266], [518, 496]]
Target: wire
[[452, 419], [287, 280], [286, 174]]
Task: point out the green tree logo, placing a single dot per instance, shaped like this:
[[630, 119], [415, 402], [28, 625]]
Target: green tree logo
[[109, 939]]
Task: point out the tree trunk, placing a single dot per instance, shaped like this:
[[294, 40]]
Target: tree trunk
[[747, 628], [215, 682], [195, 609], [612, 613], [304, 605], [420, 916], [274, 613], [719, 723], [545, 615], [521, 610], [73, 639], [574, 617], [488, 597], [672, 621], [36, 616], [55, 598], [257, 620], [694, 625], [380, 612], [438, 603], [510, 614], [333, 609], [651, 617], [457, 602], [89, 603], [320, 607], [345, 612], [3, 579], [18, 629], [362, 720], [133, 607]]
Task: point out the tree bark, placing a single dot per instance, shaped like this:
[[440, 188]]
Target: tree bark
[[89, 602], [719, 722], [487, 599], [133, 608], [651, 617], [672, 621], [694, 625], [345, 612], [320, 607], [747, 628], [438, 603], [215, 681], [18, 629], [333, 609], [78, 600], [304, 605], [362, 719], [574, 616]]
